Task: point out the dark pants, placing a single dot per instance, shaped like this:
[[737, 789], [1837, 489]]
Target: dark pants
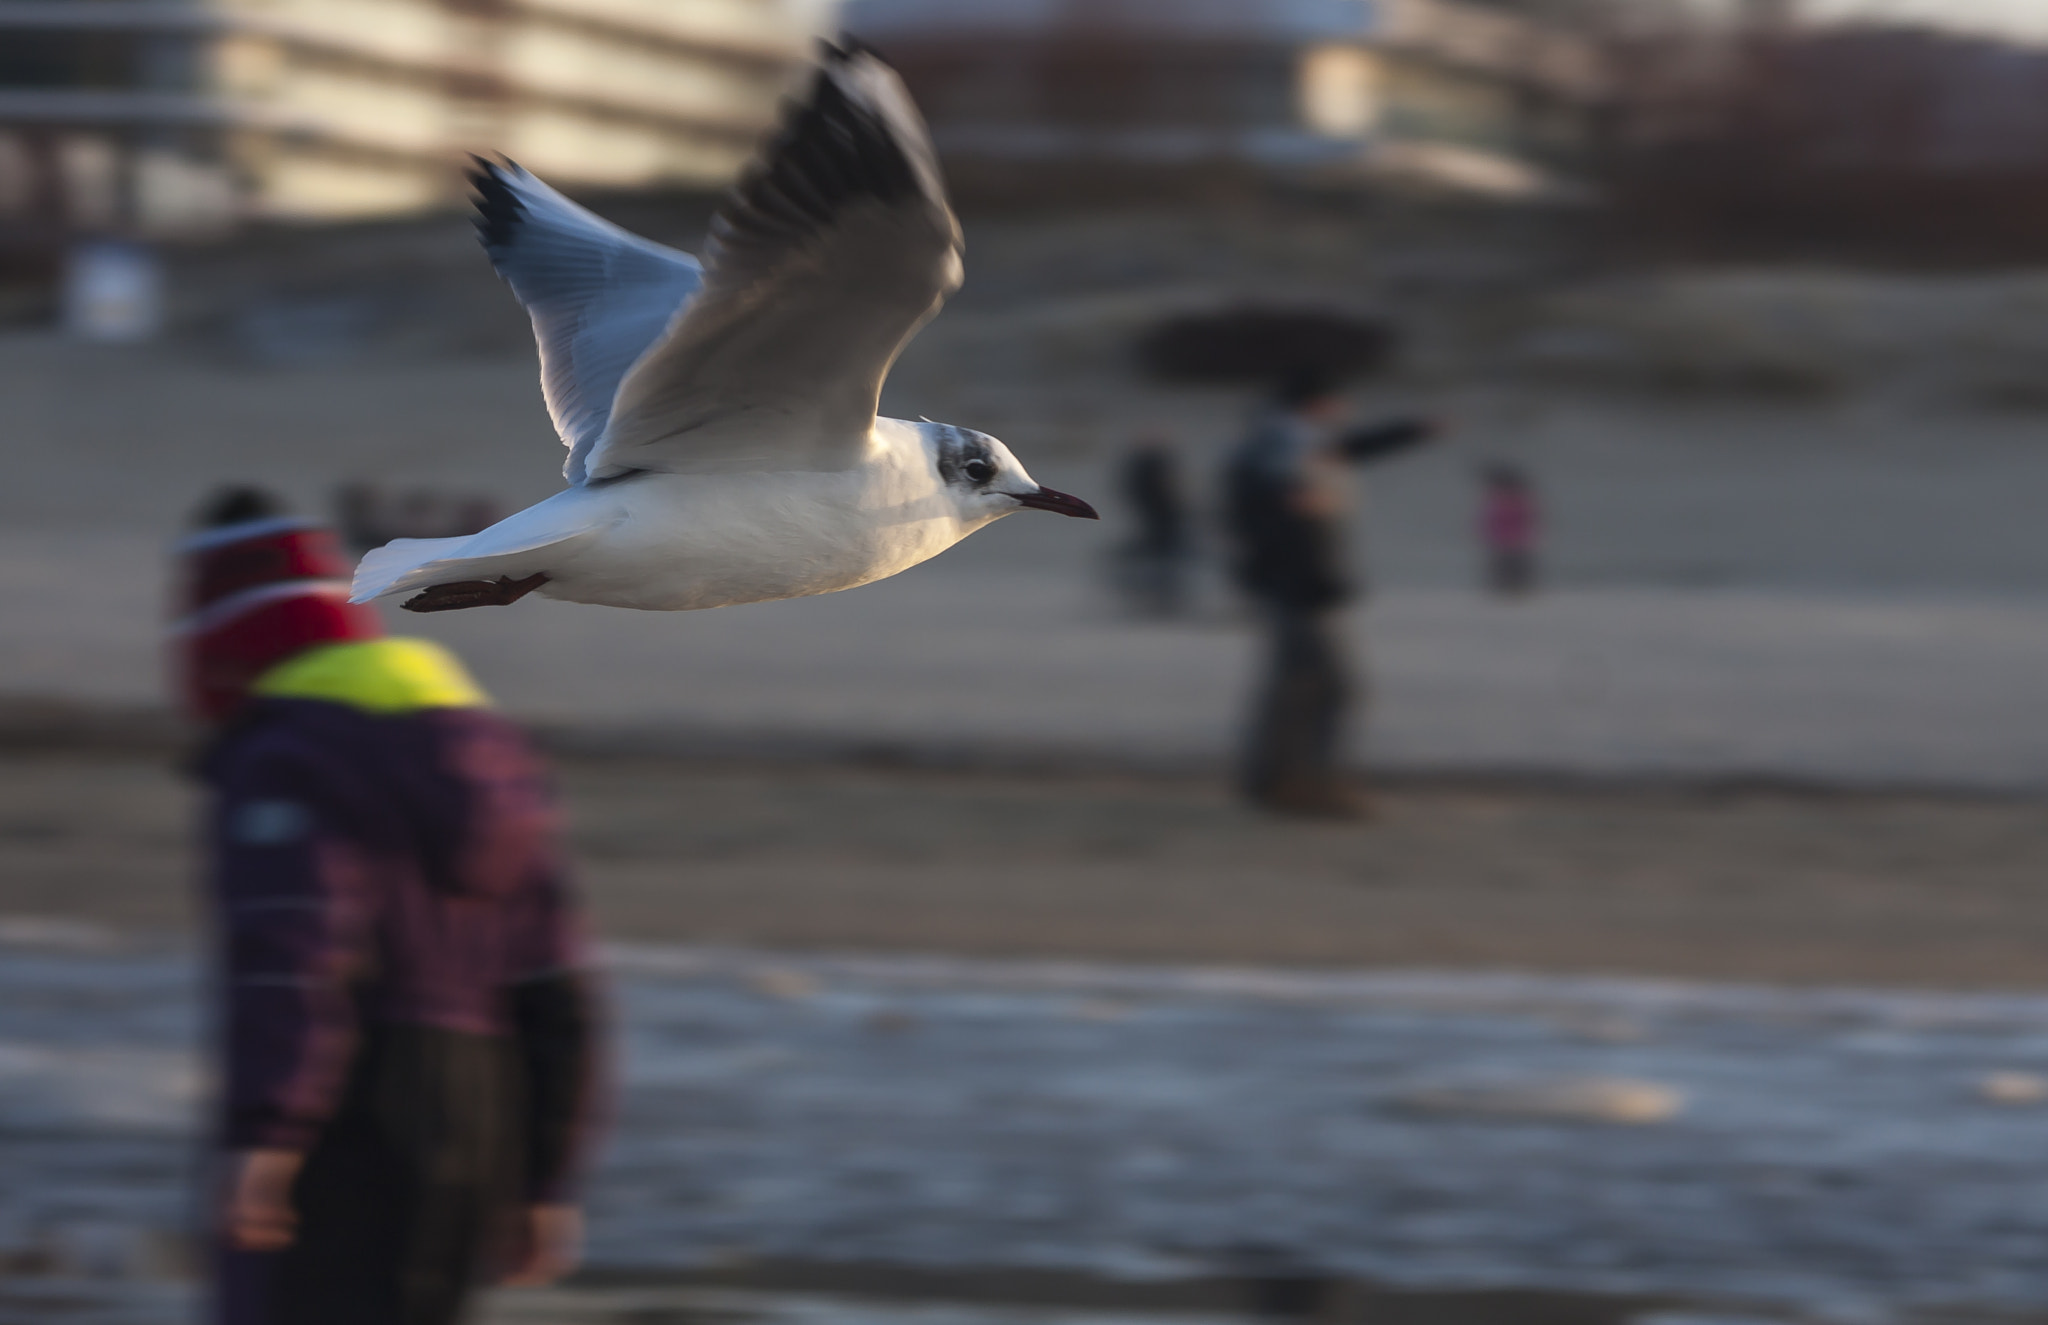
[[1152, 575], [1511, 572], [1298, 725], [404, 1198]]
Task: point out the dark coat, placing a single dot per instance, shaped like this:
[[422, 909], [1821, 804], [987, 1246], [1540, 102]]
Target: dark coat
[[405, 999], [399, 870], [1285, 556]]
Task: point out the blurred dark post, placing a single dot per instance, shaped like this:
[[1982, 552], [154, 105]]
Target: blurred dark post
[[421, 514], [367, 515], [1154, 565], [357, 516]]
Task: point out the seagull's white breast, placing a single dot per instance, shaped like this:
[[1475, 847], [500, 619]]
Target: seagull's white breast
[[677, 542]]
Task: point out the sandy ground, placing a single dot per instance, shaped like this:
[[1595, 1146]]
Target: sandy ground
[[1734, 886], [1825, 593], [1841, 586]]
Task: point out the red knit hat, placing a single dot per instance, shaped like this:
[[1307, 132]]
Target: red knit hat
[[259, 585]]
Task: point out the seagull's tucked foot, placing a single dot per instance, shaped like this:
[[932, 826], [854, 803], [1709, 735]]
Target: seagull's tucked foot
[[474, 593]]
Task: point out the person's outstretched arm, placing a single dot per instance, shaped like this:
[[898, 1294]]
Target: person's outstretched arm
[[1391, 437]]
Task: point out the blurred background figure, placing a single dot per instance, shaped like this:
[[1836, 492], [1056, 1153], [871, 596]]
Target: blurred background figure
[[1287, 501], [407, 1024], [368, 516], [1510, 525], [1154, 566]]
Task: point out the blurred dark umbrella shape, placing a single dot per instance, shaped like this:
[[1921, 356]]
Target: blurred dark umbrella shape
[[1265, 342]]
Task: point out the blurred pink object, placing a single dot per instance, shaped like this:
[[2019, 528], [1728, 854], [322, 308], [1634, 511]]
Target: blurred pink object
[[1510, 523]]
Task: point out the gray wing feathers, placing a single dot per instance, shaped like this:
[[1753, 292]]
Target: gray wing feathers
[[831, 253], [599, 296]]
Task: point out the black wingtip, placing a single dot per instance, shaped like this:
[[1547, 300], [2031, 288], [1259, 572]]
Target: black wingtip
[[482, 170], [498, 209], [832, 149], [847, 49]]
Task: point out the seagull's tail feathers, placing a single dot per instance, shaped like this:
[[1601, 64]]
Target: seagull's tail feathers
[[538, 538], [403, 563]]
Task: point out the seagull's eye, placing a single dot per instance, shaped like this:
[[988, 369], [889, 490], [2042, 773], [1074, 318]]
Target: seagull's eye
[[978, 470]]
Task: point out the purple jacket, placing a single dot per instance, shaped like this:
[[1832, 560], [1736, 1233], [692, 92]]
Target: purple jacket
[[396, 868]]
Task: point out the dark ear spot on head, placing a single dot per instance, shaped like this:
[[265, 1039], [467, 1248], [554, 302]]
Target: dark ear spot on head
[[965, 460]]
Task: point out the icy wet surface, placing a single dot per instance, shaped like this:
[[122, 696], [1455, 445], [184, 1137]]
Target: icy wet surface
[[1829, 1151], [599, 1307]]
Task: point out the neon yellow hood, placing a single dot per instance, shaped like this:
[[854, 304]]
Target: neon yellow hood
[[383, 676]]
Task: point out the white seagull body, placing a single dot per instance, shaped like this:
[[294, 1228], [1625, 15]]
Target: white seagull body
[[723, 441]]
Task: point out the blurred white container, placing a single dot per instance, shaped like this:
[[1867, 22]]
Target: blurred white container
[[2014, 1089], [113, 292], [1568, 1100]]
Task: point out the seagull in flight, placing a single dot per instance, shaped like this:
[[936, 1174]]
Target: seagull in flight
[[721, 417]]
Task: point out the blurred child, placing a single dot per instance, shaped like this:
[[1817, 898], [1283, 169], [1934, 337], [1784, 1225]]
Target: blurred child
[[1510, 523], [408, 1032]]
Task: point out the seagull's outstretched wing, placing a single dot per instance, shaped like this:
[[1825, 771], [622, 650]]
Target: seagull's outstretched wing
[[599, 295], [833, 250]]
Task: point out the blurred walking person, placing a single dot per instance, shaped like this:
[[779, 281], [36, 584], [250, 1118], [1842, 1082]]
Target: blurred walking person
[[1510, 523], [1289, 499], [408, 1028], [1155, 563]]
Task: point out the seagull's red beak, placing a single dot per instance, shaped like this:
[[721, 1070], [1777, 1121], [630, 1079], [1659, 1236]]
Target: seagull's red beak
[[1045, 499]]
